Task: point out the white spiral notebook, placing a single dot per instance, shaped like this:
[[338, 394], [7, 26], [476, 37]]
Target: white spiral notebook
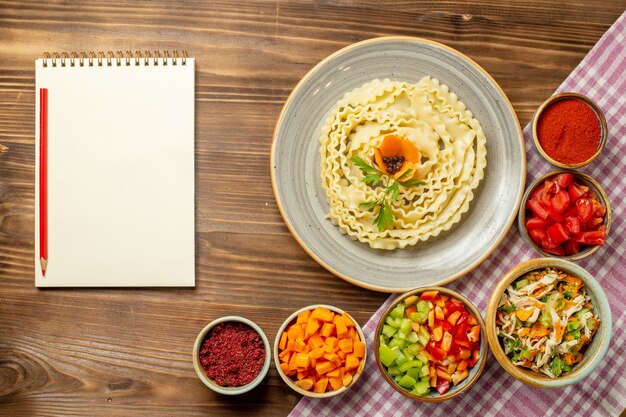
[[120, 170]]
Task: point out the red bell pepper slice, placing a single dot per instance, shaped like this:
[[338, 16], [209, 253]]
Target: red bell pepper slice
[[428, 295], [435, 352], [446, 326], [460, 333], [442, 386], [454, 305]]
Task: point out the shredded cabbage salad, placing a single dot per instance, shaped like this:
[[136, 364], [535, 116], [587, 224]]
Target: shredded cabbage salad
[[545, 320]]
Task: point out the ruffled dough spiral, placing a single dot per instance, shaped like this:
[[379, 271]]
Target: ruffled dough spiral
[[451, 143]]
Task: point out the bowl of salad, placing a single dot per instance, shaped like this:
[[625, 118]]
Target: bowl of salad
[[430, 344], [565, 214], [548, 323]]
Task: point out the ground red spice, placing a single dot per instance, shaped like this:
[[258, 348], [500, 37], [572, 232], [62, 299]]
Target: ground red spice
[[568, 130], [232, 354]]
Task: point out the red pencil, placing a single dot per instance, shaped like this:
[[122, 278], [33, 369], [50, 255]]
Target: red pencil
[[43, 179]]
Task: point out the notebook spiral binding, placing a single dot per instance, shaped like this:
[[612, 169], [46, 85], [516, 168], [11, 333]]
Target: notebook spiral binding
[[117, 59]]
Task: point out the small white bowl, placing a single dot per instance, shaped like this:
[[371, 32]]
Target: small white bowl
[[230, 390]]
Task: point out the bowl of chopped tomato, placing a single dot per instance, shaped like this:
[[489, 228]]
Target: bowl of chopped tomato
[[430, 344], [548, 323], [565, 214], [320, 351]]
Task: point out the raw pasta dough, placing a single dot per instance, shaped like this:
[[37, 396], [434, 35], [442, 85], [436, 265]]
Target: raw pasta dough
[[453, 158]]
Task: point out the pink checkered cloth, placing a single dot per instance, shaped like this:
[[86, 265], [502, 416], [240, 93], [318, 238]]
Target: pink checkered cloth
[[602, 77]]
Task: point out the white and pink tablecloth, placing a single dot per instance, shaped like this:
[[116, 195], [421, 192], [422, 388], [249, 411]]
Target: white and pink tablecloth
[[602, 77]]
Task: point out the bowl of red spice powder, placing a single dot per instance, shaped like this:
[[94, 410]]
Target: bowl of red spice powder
[[569, 130], [231, 355]]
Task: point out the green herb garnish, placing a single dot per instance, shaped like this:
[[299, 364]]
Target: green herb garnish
[[373, 177]]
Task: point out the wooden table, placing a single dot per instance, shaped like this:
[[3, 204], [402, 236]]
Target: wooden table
[[104, 352]]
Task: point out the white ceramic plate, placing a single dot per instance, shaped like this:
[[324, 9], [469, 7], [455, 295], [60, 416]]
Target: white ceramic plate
[[295, 165]]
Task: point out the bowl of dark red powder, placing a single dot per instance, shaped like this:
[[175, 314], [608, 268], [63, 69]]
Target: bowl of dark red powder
[[231, 355], [569, 130]]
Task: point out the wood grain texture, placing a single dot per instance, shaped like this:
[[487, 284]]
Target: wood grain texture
[[77, 352]]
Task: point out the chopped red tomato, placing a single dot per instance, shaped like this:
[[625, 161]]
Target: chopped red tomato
[[572, 224], [585, 209], [576, 191], [557, 234], [564, 180], [537, 223], [560, 201], [537, 235], [560, 210], [596, 237]]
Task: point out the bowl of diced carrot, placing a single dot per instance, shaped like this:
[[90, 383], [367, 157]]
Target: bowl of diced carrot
[[320, 351]]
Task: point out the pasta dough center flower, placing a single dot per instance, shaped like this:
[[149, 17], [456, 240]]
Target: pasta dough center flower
[[396, 155]]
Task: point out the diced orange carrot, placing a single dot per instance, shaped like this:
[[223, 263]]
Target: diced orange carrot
[[299, 345], [320, 386], [345, 345], [337, 372], [306, 383], [346, 379], [351, 361], [302, 374], [352, 334], [336, 383], [347, 320], [341, 354], [331, 341], [311, 327], [340, 326], [284, 367], [302, 360], [323, 314], [316, 353], [283, 341], [317, 341], [359, 349], [324, 366], [295, 331], [303, 317], [327, 329], [290, 345], [330, 356], [524, 331]]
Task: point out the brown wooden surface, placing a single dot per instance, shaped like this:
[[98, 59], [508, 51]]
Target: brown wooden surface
[[105, 352]]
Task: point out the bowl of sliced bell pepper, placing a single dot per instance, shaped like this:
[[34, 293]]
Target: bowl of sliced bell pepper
[[565, 214], [320, 351], [430, 344]]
